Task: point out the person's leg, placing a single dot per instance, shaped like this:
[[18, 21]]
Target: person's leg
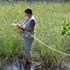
[[27, 48]]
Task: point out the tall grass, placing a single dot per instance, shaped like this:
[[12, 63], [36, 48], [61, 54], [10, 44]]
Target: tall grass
[[49, 25]]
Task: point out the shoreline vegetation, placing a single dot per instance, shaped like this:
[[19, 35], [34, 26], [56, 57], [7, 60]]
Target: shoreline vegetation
[[50, 19]]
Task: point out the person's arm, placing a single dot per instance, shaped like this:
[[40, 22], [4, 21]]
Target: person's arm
[[20, 26]]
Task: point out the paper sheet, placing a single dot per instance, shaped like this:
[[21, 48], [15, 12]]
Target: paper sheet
[[14, 25]]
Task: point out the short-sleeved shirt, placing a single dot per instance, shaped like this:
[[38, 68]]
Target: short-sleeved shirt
[[32, 24], [29, 24]]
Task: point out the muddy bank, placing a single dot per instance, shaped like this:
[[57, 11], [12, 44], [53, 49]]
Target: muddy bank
[[34, 66]]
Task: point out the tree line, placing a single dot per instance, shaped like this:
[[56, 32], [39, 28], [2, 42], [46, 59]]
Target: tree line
[[39, 0]]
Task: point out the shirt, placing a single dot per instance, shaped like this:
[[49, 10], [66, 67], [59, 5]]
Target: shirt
[[29, 24]]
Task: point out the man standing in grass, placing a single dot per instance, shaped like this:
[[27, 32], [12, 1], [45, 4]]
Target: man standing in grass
[[27, 31]]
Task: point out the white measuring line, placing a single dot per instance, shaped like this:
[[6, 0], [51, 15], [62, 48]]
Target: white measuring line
[[51, 48], [67, 66], [39, 41]]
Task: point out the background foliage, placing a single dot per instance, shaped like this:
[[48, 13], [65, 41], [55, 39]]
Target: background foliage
[[52, 27]]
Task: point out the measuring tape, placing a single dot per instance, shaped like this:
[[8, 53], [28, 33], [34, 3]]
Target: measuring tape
[[39, 41]]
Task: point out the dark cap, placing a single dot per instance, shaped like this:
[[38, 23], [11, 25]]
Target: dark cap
[[28, 11]]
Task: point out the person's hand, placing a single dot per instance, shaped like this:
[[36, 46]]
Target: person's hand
[[18, 26]]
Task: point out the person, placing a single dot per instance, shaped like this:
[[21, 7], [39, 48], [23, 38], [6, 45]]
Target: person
[[27, 33]]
